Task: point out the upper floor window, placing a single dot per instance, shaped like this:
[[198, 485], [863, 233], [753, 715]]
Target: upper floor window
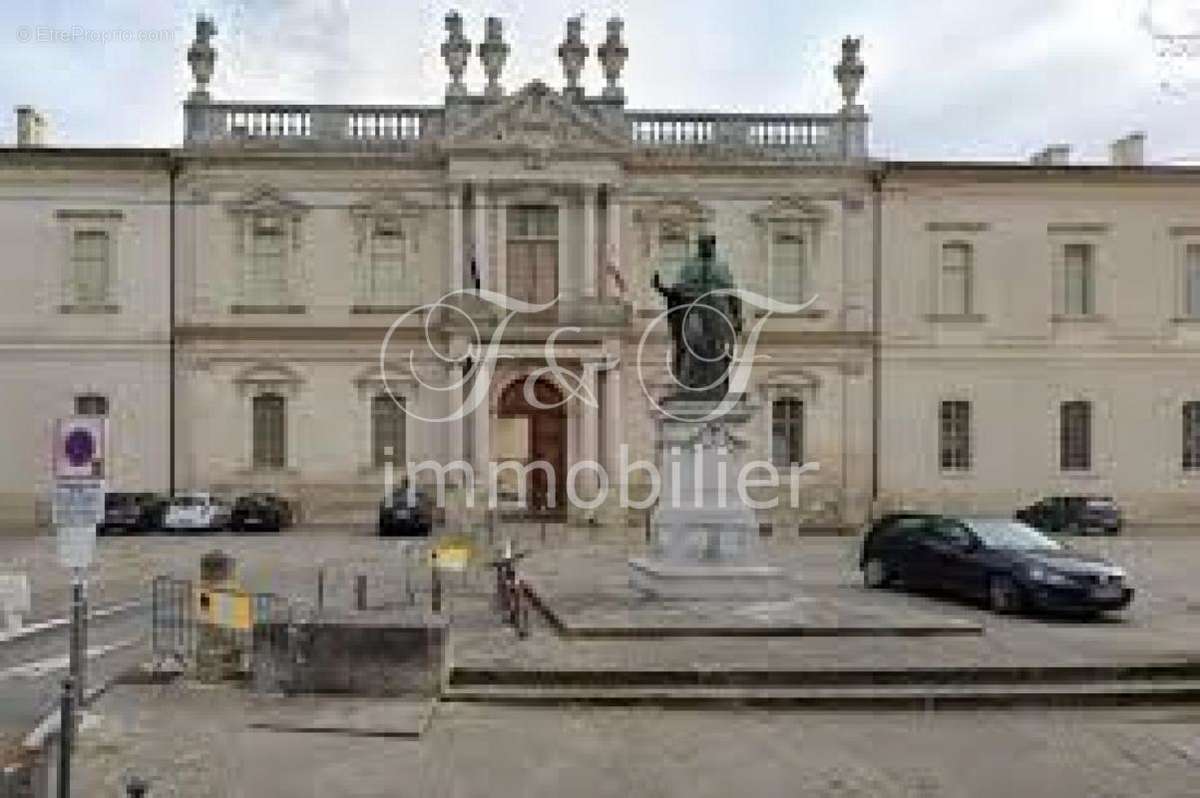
[[957, 279], [269, 423], [265, 281], [532, 253], [674, 248], [1192, 280], [955, 435], [1191, 436], [1079, 283], [788, 276], [91, 405], [787, 432], [1075, 436], [385, 272], [91, 267]]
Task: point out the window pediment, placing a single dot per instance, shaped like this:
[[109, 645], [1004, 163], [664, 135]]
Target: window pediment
[[267, 201], [791, 210]]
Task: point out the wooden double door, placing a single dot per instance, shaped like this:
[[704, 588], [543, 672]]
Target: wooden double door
[[546, 441]]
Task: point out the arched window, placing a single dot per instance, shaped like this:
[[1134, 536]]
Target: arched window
[[387, 430], [270, 431]]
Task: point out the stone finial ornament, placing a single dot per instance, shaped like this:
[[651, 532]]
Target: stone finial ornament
[[612, 54], [201, 56], [493, 52], [573, 53], [456, 51], [850, 70]]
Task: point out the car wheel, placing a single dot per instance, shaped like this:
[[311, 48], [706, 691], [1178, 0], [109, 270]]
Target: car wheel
[[1003, 595], [875, 574]]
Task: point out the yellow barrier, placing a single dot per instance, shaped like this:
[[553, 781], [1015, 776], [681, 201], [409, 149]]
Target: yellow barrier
[[229, 609]]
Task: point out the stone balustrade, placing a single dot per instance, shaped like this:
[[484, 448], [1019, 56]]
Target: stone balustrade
[[399, 128]]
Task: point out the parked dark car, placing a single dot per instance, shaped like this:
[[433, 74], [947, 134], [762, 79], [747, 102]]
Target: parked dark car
[[1079, 515], [131, 512], [261, 511], [1009, 565], [406, 513]]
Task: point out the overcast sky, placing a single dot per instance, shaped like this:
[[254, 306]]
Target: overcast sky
[[945, 78]]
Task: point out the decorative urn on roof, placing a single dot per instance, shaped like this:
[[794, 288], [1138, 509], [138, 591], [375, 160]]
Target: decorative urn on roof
[[850, 70], [456, 50], [202, 55], [573, 53], [493, 52], [612, 54]]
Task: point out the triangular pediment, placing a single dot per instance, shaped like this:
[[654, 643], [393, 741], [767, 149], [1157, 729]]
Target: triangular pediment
[[537, 120]]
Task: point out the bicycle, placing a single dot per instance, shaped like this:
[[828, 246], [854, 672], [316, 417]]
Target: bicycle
[[509, 592]]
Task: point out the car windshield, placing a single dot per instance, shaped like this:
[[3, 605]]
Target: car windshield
[[1100, 504], [1000, 534], [189, 501]]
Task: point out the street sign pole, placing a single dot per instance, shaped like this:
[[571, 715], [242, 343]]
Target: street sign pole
[[78, 652]]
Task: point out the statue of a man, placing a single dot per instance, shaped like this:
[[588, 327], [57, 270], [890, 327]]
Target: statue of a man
[[704, 325]]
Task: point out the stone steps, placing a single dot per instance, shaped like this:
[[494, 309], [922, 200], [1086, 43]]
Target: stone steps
[[1120, 693]]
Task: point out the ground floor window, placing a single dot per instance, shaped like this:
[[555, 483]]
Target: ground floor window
[[1075, 436], [270, 426], [387, 430], [955, 443], [787, 432], [1191, 436]]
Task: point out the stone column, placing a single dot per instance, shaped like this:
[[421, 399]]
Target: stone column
[[589, 241], [612, 418], [500, 282], [480, 237], [612, 238], [481, 429], [455, 271], [589, 437], [454, 400]]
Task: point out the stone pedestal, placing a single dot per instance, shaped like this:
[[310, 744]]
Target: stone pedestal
[[705, 538]]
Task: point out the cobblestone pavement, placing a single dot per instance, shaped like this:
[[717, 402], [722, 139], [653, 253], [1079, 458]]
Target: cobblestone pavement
[[186, 748]]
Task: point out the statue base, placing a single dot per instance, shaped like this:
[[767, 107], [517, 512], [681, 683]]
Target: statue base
[[705, 541]]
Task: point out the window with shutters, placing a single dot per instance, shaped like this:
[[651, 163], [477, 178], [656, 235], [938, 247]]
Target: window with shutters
[[957, 279], [532, 253], [269, 431], [91, 405], [385, 270], [1075, 436], [1191, 436], [1191, 280], [1079, 280], [955, 435], [91, 268], [787, 432], [788, 276], [265, 282], [674, 247], [387, 430]]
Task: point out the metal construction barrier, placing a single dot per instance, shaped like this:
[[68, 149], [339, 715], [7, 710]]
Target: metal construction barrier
[[172, 620]]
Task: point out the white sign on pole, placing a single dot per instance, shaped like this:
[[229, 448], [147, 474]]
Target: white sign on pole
[[78, 502], [79, 448], [76, 545], [14, 593]]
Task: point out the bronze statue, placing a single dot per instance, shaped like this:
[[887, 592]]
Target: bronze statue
[[704, 324]]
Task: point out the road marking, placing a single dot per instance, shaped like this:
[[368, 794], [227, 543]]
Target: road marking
[[32, 670], [58, 623]]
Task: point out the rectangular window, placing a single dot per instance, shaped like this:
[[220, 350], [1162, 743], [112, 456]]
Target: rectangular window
[[956, 285], [532, 253], [270, 431], [956, 435], [385, 279], [268, 251], [788, 277], [1192, 276], [387, 431], [787, 432], [1191, 436], [1075, 436], [1079, 289], [91, 255], [673, 251], [91, 405]]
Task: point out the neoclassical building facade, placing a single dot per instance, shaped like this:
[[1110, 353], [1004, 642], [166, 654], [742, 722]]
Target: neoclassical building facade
[[288, 301]]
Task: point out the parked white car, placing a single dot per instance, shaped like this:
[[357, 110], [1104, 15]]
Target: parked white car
[[197, 511]]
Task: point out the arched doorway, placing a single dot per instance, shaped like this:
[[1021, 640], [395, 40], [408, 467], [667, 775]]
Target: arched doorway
[[546, 439]]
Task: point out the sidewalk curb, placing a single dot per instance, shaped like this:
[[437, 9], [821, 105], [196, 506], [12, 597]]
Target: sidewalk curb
[[60, 623]]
